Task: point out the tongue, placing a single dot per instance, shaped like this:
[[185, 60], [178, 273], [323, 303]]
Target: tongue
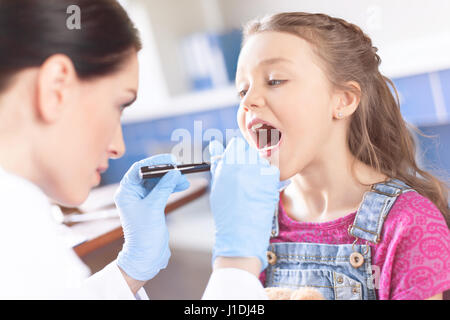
[[268, 136]]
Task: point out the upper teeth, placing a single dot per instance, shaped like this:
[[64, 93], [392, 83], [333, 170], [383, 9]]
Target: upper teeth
[[256, 126]]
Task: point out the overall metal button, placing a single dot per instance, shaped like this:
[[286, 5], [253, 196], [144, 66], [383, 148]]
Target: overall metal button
[[340, 280], [271, 258], [356, 259], [355, 290]]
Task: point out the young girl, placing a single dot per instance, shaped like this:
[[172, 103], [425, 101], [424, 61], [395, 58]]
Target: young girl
[[360, 219]]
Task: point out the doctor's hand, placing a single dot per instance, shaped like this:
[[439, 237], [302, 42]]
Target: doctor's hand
[[141, 205], [244, 197]]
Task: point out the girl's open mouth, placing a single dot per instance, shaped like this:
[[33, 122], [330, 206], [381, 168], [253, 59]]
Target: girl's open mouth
[[266, 137]]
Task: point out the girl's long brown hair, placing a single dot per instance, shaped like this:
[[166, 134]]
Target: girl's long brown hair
[[378, 135]]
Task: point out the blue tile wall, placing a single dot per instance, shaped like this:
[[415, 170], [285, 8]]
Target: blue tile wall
[[217, 47], [435, 151], [417, 102], [444, 76], [417, 105], [416, 99]]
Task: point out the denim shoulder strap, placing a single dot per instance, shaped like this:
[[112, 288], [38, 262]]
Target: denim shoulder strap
[[275, 226], [375, 206]]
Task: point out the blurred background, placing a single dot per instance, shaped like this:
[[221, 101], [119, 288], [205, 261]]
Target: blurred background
[[187, 71]]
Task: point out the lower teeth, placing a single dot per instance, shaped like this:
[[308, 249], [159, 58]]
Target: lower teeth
[[268, 148]]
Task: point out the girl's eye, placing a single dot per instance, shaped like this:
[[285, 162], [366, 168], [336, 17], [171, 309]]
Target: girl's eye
[[122, 108], [242, 94], [275, 82]]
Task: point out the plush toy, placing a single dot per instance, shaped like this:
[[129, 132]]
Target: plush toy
[[305, 293]]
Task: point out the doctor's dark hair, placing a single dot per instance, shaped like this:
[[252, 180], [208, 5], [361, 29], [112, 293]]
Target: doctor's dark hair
[[378, 135], [33, 30]]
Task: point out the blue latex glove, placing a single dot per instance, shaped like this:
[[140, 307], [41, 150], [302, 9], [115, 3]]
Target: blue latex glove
[[141, 205], [244, 196]]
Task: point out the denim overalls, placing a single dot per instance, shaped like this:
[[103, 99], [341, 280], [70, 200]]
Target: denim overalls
[[339, 272]]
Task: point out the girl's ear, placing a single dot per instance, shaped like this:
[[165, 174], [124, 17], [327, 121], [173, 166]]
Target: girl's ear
[[56, 77], [347, 100]]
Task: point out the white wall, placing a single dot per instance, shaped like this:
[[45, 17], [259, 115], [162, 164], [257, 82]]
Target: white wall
[[412, 36], [164, 88], [171, 20], [153, 89]]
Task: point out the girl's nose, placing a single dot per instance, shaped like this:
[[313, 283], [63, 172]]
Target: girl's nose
[[117, 147], [252, 99]]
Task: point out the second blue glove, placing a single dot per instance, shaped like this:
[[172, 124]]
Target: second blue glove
[[244, 197]]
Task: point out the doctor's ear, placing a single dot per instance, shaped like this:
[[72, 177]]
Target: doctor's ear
[[56, 77]]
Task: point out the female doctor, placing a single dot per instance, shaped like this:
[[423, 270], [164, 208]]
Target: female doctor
[[62, 93]]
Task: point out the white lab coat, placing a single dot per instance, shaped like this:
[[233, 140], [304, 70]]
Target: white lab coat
[[37, 264]]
